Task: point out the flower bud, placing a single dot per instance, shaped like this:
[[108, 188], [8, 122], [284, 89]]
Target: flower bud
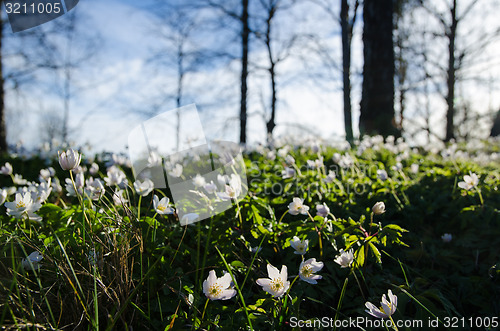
[[378, 208], [70, 159], [447, 237]]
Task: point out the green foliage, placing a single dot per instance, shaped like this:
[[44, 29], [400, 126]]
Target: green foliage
[[105, 268]]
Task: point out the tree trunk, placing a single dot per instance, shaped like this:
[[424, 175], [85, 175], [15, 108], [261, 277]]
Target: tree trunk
[[377, 100], [450, 98], [178, 97], [495, 130], [3, 130], [346, 68], [271, 124], [245, 36]]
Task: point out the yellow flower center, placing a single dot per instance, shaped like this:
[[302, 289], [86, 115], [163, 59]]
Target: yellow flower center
[[386, 312], [306, 271], [215, 290], [277, 284], [20, 204], [161, 208]]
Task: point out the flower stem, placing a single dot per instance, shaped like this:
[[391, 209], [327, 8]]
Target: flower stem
[[204, 309], [237, 288], [359, 284], [342, 293], [281, 218], [393, 324], [371, 224], [139, 208], [239, 214], [320, 241], [480, 196], [285, 304]]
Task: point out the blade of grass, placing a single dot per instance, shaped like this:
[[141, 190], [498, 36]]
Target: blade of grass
[[78, 294], [237, 287]]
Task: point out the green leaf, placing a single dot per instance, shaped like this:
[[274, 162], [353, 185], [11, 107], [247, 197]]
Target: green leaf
[[375, 252], [360, 256]]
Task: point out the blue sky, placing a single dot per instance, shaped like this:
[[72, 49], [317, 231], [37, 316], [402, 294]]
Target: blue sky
[[113, 90]]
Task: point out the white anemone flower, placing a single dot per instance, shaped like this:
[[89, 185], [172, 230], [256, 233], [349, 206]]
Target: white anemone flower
[[79, 184], [40, 192], [470, 181], [11, 190], [382, 174], [289, 160], [322, 210], [297, 207], [32, 262], [23, 207], [233, 189], [345, 258], [189, 218], [94, 169], [288, 173], [388, 307], [210, 187], [162, 206], [44, 175], [316, 164], [56, 185], [199, 181], [222, 179], [19, 180], [330, 177], [218, 288], [277, 283], [115, 176], [145, 187], [94, 188], [176, 171], [346, 161], [20, 205], [307, 270], [70, 159], [3, 196], [6, 169], [414, 168], [255, 249], [154, 160], [378, 208], [447, 237], [299, 246], [119, 197], [283, 152]]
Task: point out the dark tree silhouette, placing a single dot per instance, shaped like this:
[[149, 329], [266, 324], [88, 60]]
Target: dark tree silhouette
[[464, 49], [347, 25], [377, 100], [245, 37], [240, 12], [277, 49], [3, 127], [495, 129]]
